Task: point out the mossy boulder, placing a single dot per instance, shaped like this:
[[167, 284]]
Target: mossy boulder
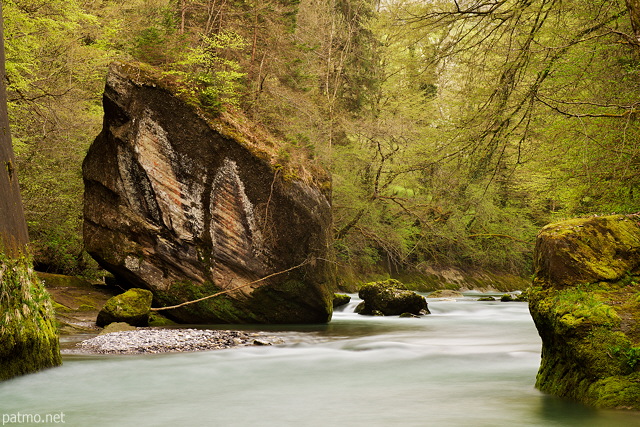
[[117, 327], [132, 307], [587, 250], [28, 336], [188, 203], [589, 320], [340, 299], [390, 298]]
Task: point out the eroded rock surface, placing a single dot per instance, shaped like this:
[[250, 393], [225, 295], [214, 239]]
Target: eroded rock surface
[[187, 205], [585, 301]]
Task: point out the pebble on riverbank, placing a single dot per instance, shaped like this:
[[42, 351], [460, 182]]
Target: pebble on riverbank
[[147, 341]]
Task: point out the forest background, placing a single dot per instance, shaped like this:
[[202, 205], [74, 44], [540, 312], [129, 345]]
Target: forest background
[[453, 130]]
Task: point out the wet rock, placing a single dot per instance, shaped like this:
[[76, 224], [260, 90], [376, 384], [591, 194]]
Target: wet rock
[[117, 327], [409, 315], [445, 293], [340, 300], [507, 298], [187, 204], [486, 299], [584, 302], [132, 307], [390, 298]]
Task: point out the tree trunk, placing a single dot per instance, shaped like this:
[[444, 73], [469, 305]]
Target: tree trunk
[[633, 6], [13, 227]]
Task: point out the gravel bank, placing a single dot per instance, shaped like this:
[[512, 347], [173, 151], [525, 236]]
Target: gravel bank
[[146, 340]]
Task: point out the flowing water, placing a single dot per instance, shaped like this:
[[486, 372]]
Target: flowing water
[[469, 363]]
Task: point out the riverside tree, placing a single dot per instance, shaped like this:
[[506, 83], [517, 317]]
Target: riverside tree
[[28, 338]]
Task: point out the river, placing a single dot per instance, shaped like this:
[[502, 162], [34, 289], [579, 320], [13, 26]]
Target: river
[[469, 363]]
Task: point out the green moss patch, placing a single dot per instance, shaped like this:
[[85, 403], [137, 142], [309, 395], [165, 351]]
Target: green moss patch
[[585, 303], [588, 250], [132, 307], [28, 336], [390, 298]]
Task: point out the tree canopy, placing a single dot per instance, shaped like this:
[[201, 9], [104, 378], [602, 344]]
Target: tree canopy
[[453, 129]]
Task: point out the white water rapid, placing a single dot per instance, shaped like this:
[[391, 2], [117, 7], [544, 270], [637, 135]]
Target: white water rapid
[[469, 363]]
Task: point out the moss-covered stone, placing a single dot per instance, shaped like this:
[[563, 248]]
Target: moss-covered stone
[[132, 307], [507, 298], [588, 322], [28, 336], [117, 327], [587, 250], [340, 300], [390, 298], [158, 320]]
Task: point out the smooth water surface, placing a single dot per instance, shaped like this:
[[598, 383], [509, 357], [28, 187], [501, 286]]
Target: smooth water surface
[[469, 363]]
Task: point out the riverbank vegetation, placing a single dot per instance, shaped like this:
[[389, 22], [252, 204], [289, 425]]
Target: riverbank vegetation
[[453, 130]]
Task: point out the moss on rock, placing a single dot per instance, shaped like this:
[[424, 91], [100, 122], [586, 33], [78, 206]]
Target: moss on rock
[[587, 250], [132, 307], [340, 300], [291, 301], [28, 336], [117, 327], [390, 298], [588, 319]]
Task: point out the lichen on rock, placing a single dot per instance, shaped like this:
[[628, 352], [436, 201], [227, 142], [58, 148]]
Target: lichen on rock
[[585, 302], [186, 204]]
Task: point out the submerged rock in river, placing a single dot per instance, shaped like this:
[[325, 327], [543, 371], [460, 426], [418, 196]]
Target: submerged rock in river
[[585, 302], [187, 205]]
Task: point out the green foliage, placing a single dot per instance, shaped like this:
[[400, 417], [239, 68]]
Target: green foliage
[[216, 79], [55, 61], [633, 357], [451, 136]]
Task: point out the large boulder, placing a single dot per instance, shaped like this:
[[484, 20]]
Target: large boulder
[[585, 302], [586, 250], [390, 298], [187, 204]]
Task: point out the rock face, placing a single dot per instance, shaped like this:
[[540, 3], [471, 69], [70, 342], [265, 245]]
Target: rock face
[[585, 301], [389, 298], [187, 205], [132, 307]]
